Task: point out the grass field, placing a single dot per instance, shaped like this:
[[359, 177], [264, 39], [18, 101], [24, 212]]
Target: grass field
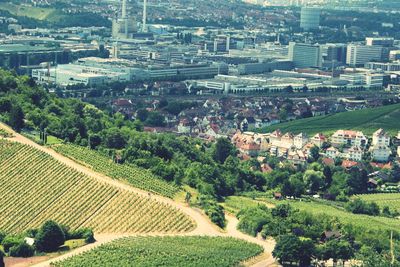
[[167, 251], [367, 120], [38, 13], [234, 204], [135, 176], [34, 187], [391, 200]]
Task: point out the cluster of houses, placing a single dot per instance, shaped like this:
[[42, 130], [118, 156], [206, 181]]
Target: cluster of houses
[[350, 146], [211, 118]]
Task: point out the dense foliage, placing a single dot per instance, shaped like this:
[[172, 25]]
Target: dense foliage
[[303, 237], [167, 251], [48, 238]]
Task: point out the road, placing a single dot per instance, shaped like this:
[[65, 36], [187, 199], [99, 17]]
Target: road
[[203, 225]]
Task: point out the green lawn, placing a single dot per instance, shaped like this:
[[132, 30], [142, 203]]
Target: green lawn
[[38, 13], [367, 120], [167, 251]]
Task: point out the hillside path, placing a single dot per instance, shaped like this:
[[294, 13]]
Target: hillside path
[[203, 226]]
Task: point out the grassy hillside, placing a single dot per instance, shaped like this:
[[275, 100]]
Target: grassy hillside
[[34, 187], [38, 13], [391, 200], [137, 177], [167, 251], [367, 120]]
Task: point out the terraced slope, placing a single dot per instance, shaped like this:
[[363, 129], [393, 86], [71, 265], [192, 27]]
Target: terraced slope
[[138, 177], [34, 187]]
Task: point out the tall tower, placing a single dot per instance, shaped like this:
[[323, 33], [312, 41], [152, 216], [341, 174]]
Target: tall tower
[[144, 26], [124, 27]]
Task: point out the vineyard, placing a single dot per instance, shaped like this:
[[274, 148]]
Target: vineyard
[[391, 200], [167, 251], [135, 176], [34, 187]]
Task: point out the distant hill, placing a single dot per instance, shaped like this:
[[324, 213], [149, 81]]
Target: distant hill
[[35, 187], [366, 120], [38, 13]]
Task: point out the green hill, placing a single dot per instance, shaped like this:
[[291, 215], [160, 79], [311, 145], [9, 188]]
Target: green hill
[[366, 120], [38, 13]]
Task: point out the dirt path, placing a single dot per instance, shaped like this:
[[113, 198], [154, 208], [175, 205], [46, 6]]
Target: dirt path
[[203, 225]]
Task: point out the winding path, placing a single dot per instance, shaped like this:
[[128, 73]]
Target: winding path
[[203, 225]]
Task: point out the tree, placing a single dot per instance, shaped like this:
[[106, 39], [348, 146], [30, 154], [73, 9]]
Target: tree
[[223, 149], [50, 237], [337, 250], [22, 250], [2, 264], [358, 181], [314, 180], [291, 248], [314, 153], [16, 118], [142, 114]]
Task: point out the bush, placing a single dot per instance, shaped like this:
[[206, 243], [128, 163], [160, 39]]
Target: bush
[[2, 264], [10, 241], [252, 220], [2, 236], [83, 233], [50, 237], [22, 250], [213, 210]]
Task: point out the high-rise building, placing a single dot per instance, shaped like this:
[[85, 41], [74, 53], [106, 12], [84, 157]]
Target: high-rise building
[[305, 55], [358, 55], [310, 18], [381, 41], [333, 55], [125, 26]]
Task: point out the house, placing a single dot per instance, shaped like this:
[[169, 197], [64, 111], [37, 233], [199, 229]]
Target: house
[[354, 153], [184, 126], [278, 196], [297, 157], [380, 138], [318, 139], [398, 151], [275, 136], [328, 162], [380, 153], [265, 168], [372, 184], [332, 152], [329, 235], [396, 140], [349, 138], [348, 164], [300, 140]]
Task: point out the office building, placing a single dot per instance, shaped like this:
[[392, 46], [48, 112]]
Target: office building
[[358, 55], [380, 41], [333, 55], [310, 18], [305, 55]]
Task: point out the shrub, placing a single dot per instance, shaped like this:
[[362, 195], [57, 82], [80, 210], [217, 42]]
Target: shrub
[[84, 233], [22, 250], [252, 220], [10, 241], [49, 237]]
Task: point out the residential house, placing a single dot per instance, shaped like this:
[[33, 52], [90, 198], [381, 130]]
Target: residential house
[[354, 153], [380, 153], [301, 140], [184, 126], [398, 151], [318, 139], [349, 138], [332, 153], [348, 164], [297, 157], [380, 138]]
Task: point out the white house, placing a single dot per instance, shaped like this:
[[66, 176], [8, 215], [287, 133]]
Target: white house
[[354, 153], [332, 152], [380, 153], [300, 140], [318, 139], [350, 138], [380, 138], [398, 151]]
